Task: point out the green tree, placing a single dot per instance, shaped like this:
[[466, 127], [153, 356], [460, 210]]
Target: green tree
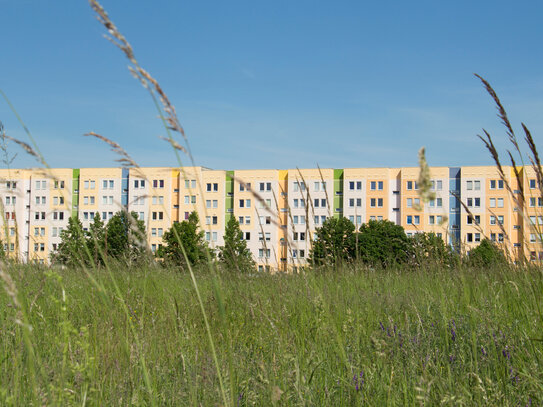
[[430, 249], [382, 243], [124, 237], [72, 250], [184, 234], [96, 239], [335, 242], [235, 255], [486, 254]]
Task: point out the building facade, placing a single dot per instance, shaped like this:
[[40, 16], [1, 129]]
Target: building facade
[[278, 210]]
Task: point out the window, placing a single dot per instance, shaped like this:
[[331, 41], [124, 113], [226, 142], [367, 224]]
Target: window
[[500, 184], [532, 238], [416, 219], [409, 219], [492, 220], [208, 187], [439, 202], [351, 185], [409, 202], [242, 203], [469, 237], [492, 184], [373, 185], [431, 220], [247, 203], [246, 235], [58, 184], [380, 202], [477, 185], [409, 185], [58, 215], [208, 203], [295, 219], [500, 237], [492, 202], [373, 202], [439, 219], [247, 220], [477, 237], [469, 185], [299, 186], [500, 219], [358, 219], [439, 184], [243, 187], [470, 202], [240, 220], [477, 202], [500, 202], [532, 184]]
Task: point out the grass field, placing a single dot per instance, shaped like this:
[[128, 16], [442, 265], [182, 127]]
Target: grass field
[[464, 337]]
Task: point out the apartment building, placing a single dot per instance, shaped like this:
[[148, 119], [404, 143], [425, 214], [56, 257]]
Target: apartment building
[[278, 210]]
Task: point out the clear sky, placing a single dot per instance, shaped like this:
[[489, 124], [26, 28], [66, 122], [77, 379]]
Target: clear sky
[[273, 84]]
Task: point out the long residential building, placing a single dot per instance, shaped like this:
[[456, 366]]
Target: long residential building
[[278, 210]]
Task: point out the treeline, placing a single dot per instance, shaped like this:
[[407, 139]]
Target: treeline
[[380, 244], [124, 240]]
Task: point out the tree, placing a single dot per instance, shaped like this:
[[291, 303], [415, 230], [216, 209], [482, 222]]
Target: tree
[[428, 248], [335, 242], [185, 235], [486, 254], [382, 243], [72, 250], [235, 255], [125, 238], [96, 239]]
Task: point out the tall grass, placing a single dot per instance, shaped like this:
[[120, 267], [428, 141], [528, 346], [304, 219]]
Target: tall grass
[[357, 336]]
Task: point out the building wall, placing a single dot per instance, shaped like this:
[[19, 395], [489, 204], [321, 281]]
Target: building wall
[[278, 210]]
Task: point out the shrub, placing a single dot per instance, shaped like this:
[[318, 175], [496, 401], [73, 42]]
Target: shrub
[[382, 243], [486, 254], [335, 242]]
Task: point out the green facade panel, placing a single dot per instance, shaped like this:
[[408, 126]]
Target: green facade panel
[[229, 196], [338, 193], [75, 192]]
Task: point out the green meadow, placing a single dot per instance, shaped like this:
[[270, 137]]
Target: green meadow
[[354, 336]]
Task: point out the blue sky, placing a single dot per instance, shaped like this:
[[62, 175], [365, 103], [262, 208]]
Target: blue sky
[[273, 84]]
